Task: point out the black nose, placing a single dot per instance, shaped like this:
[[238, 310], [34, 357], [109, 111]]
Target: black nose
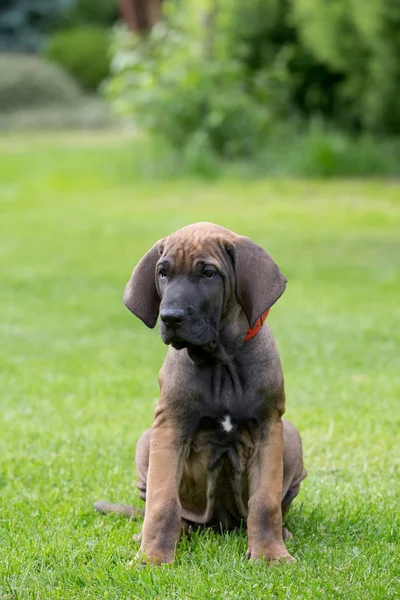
[[172, 317]]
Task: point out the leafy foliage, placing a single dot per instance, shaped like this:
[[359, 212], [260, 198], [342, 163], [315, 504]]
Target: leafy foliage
[[258, 63], [83, 52], [260, 31], [361, 41], [187, 88]]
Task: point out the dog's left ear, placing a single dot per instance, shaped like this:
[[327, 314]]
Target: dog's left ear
[[259, 281], [141, 296]]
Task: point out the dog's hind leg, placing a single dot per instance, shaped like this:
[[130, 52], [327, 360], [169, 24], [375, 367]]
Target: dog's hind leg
[[142, 462], [293, 470]]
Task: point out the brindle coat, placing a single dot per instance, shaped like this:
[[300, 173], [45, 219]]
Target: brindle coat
[[218, 452]]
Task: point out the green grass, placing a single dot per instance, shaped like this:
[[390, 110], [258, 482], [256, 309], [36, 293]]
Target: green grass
[[79, 375]]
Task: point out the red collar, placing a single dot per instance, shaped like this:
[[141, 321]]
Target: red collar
[[259, 323]]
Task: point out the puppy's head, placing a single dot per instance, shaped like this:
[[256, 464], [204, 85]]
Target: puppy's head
[[194, 278]]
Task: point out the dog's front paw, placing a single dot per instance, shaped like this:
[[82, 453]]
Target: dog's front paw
[[270, 553], [151, 556]]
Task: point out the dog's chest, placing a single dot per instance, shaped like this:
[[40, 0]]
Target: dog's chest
[[224, 432], [228, 420], [224, 439], [231, 400]]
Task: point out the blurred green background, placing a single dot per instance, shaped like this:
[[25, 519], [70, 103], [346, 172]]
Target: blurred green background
[[291, 87]]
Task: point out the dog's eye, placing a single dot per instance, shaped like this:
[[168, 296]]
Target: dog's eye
[[209, 272], [162, 273]]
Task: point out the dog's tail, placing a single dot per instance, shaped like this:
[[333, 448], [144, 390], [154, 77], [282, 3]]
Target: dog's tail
[[121, 509]]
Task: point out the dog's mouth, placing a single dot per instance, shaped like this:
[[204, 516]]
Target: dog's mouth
[[195, 348], [177, 343], [200, 342], [200, 350]]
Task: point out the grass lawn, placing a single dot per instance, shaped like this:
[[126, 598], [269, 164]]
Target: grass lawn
[[79, 375]]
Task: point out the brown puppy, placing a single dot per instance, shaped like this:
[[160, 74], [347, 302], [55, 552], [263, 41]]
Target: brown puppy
[[218, 452]]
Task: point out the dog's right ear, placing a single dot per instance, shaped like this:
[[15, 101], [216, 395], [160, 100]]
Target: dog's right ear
[[141, 296]]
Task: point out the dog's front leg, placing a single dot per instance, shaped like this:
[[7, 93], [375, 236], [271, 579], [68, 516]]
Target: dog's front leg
[[162, 523], [264, 523]]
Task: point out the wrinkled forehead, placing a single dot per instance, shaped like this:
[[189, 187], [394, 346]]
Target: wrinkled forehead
[[188, 246]]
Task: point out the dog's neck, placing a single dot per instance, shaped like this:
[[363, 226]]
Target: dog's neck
[[200, 355], [228, 345]]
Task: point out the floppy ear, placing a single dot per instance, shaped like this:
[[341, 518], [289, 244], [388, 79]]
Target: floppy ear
[[259, 282], [141, 296]]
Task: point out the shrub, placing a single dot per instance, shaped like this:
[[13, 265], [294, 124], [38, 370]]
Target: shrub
[[83, 52], [228, 82], [29, 81], [169, 85], [259, 31], [360, 40]]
